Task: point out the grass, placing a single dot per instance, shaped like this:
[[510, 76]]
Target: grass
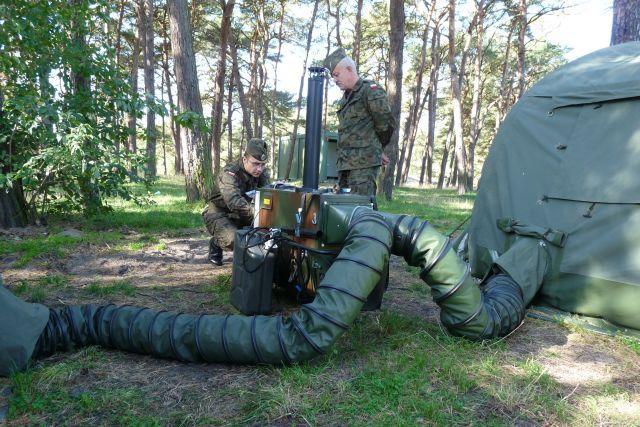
[[444, 209], [51, 246], [38, 289], [120, 287], [389, 368]]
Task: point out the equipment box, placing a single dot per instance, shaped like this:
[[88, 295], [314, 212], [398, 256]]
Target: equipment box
[[252, 277]]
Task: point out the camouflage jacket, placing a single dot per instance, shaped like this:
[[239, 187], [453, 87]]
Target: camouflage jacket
[[232, 185], [366, 126]]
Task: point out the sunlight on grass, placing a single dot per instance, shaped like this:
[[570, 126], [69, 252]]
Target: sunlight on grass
[[443, 208]]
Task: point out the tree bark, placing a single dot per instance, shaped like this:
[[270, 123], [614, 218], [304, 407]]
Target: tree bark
[[336, 16], [164, 128], [294, 133], [118, 36], [229, 117], [133, 81], [198, 173], [476, 101], [626, 21], [246, 117], [433, 101], [145, 21], [178, 164], [275, 87], [445, 156], [13, 206], [456, 103], [357, 35], [396, 48], [503, 104], [522, 15], [415, 113], [216, 110]]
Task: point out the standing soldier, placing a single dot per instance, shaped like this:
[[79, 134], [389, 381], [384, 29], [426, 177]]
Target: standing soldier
[[366, 126], [231, 205]]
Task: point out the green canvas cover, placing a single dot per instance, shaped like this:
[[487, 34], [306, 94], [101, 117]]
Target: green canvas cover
[[566, 164], [20, 326]]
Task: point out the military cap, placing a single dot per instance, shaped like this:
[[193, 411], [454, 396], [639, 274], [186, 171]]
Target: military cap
[[334, 57], [257, 148]]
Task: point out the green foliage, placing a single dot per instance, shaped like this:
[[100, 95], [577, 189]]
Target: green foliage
[[192, 120], [65, 100]]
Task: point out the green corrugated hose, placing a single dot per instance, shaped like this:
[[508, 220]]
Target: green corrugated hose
[[236, 338], [475, 312]]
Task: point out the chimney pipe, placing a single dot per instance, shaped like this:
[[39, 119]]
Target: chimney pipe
[[312, 138]]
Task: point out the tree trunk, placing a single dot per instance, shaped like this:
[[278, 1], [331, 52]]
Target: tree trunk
[[133, 81], [357, 35], [164, 129], [294, 134], [626, 21], [275, 88], [253, 83], [336, 15], [476, 102], [229, 122], [81, 90], [433, 100], [262, 82], [178, 164], [396, 47], [13, 207], [418, 102], [198, 173], [456, 103], [445, 156], [146, 24], [216, 110], [405, 135], [503, 104], [118, 36], [522, 15], [246, 117]]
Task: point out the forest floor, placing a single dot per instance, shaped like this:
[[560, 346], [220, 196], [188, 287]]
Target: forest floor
[[394, 366]]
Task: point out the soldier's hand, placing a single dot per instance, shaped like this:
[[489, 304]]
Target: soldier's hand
[[385, 159]]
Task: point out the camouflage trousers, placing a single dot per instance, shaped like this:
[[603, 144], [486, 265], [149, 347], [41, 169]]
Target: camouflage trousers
[[222, 225], [360, 181]]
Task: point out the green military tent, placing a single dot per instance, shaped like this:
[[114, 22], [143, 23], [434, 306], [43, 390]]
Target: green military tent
[[565, 167], [328, 169]]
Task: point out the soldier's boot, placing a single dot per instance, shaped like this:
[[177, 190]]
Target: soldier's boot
[[215, 253]]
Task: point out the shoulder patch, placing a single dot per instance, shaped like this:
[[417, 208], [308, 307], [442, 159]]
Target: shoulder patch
[[373, 86], [231, 173]]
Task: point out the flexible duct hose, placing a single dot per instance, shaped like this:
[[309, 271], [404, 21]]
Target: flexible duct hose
[[467, 310], [235, 338]]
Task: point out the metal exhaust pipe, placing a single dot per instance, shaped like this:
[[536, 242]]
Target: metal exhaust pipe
[[312, 139]]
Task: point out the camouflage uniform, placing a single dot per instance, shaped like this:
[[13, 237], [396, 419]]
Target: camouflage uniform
[[366, 126], [230, 207]]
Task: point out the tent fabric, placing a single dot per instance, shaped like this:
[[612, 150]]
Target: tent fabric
[[20, 326], [567, 158]]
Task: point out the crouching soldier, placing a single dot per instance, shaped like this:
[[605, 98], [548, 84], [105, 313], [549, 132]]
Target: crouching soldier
[[231, 206]]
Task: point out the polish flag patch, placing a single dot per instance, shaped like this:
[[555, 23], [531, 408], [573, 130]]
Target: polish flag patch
[[374, 86], [231, 173]]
